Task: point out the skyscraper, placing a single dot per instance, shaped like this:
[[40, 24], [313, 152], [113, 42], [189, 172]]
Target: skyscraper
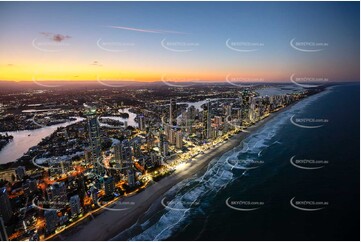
[[88, 156], [154, 158], [51, 220], [207, 120], [94, 194], [126, 154], [75, 205], [5, 208], [136, 148], [165, 148], [173, 112], [94, 140], [161, 143], [141, 123], [172, 136], [179, 140], [81, 187], [109, 185], [150, 140], [209, 131], [57, 194], [118, 155], [3, 233], [131, 177]]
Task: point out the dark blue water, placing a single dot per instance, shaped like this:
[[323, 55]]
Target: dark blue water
[[275, 182], [278, 181]]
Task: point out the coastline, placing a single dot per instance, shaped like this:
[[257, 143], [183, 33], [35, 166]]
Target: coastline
[[109, 224]]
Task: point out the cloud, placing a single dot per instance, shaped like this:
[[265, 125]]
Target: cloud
[[153, 31], [55, 37], [96, 63], [60, 37]]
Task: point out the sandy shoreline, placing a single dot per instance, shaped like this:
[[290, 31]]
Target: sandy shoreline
[[109, 224]]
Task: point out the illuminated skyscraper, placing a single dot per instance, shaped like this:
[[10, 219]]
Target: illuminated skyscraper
[[94, 194], [117, 152], [161, 143], [179, 140], [166, 131], [131, 177], [173, 112], [150, 140], [51, 220], [94, 140], [172, 136], [57, 195], [5, 208], [207, 120], [75, 205], [109, 185], [126, 154], [136, 148], [165, 149]]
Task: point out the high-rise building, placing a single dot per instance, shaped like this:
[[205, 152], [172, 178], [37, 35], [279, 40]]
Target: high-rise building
[[57, 194], [136, 148], [239, 113], [166, 131], [191, 112], [51, 220], [29, 186], [161, 143], [207, 132], [150, 140], [75, 205], [154, 158], [165, 148], [218, 120], [131, 177], [6, 211], [172, 136], [126, 154], [81, 187], [228, 110], [179, 140], [3, 232], [141, 123], [109, 185], [88, 156], [118, 155], [95, 141], [173, 112], [20, 172], [94, 194]]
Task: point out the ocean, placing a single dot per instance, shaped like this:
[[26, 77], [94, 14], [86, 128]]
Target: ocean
[[296, 178]]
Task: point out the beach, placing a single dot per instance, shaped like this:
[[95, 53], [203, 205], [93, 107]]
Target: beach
[[115, 219]]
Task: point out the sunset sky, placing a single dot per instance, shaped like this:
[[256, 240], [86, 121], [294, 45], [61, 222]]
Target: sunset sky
[[148, 41]]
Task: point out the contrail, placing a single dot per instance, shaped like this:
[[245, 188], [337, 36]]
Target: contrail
[[154, 31]]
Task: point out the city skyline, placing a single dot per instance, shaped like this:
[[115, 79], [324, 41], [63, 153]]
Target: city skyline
[[179, 42], [179, 121]]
